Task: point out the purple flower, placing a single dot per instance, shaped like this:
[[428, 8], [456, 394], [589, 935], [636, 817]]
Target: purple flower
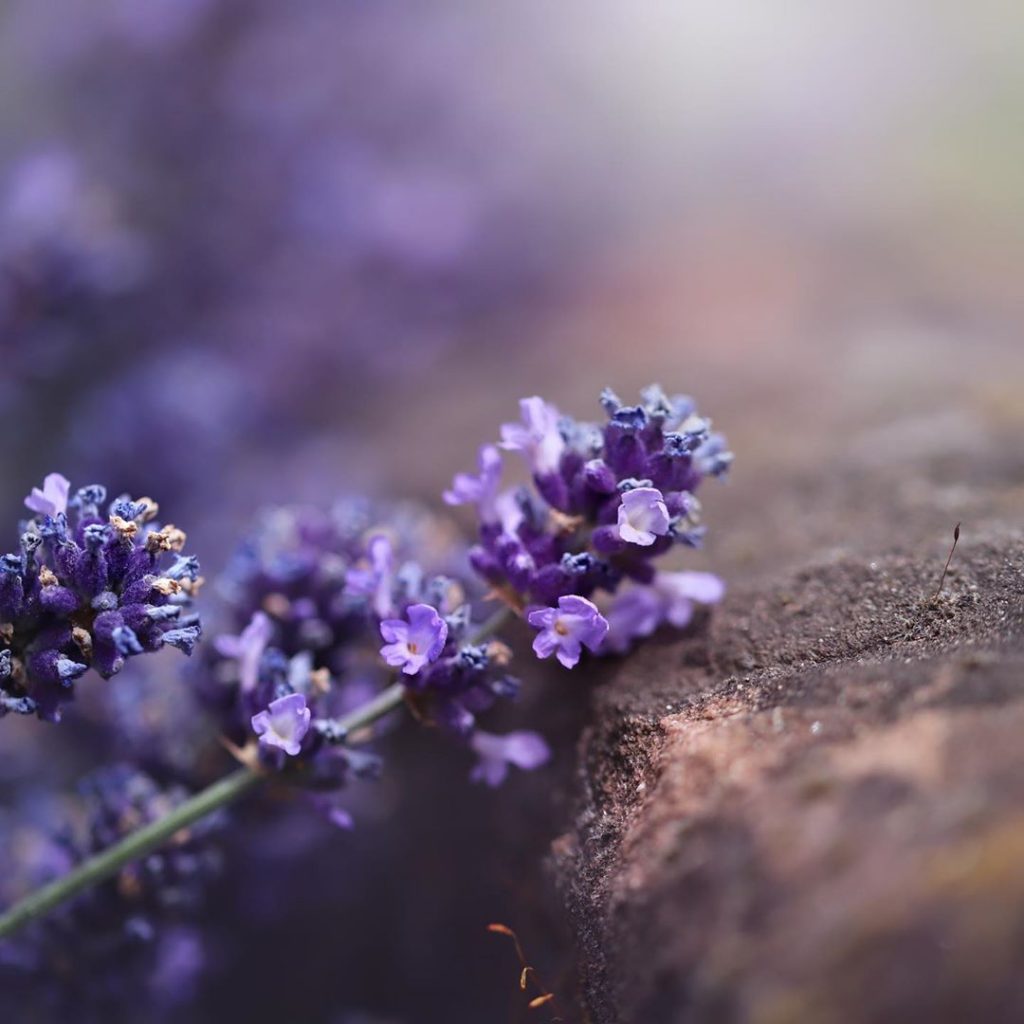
[[247, 648], [324, 578], [481, 490], [634, 613], [52, 500], [564, 630], [283, 724], [680, 591], [415, 643], [643, 516], [538, 437], [526, 750], [88, 589], [375, 580], [671, 597], [607, 501]]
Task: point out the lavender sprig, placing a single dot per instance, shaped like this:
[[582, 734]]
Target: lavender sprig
[[88, 590], [328, 606], [106, 863], [608, 501]]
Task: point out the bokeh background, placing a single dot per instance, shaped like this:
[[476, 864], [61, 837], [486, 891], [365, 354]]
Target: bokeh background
[[254, 252]]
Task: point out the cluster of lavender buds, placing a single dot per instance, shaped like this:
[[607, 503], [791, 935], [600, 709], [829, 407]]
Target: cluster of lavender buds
[[88, 590], [133, 937], [327, 608], [608, 501]]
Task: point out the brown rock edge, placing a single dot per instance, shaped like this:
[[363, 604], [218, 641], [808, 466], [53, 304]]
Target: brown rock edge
[[811, 807]]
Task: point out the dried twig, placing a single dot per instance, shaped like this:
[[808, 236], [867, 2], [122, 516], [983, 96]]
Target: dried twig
[[956, 540], [527, 973]]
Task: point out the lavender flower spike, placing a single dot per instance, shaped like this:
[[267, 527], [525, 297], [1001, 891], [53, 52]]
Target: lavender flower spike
[[52, 500], [565, 630], [412, 645], [247, 648], [526, 750], [88, 589], [643, 516], [538, 437], [284, 724], [481, 490]]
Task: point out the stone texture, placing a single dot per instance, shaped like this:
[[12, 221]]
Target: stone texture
[[811, 807]]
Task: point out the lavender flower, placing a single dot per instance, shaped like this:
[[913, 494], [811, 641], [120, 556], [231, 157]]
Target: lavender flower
[[681, 592], [412, 645], [608, 502], [89, 593], [375, 580], [671, 597], [247, 648], [311, 596], [52, 499], [565, 630], [525, 750], [284, 724], [482, 490], [538, 437], [635, 612], [643, 516]]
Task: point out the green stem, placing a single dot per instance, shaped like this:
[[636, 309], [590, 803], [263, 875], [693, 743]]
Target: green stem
[[132, 847], [226, 790]]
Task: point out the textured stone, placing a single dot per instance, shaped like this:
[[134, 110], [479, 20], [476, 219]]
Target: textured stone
[[811, 808]]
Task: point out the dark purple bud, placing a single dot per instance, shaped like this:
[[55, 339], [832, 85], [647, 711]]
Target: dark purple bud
[[554, 490], [183, 638], [599, 477], [12, 587], [607, 541], [126, 642], [58, 600], [88, 500], [54, 667], [550, 583]]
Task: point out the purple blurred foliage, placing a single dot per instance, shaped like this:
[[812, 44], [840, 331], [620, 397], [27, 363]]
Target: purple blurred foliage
[[129, 948]]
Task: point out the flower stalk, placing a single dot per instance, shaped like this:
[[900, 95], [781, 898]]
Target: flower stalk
[[221, 793], [102, 866]]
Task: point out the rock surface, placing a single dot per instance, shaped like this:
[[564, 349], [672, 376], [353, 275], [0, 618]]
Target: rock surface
[[811, 807]]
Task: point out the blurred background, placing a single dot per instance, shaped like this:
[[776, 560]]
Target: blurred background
[[254, 252]]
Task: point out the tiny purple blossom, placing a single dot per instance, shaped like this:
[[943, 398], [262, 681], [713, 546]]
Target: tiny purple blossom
[[283, 724], [635, 612], [526, 750], [538, 437], [643, 516], [330, 809], [564, 630], [375, 582], [671, 597], [247, 648], [52, 499], [680, 591], [415, 643], [481, 490]]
